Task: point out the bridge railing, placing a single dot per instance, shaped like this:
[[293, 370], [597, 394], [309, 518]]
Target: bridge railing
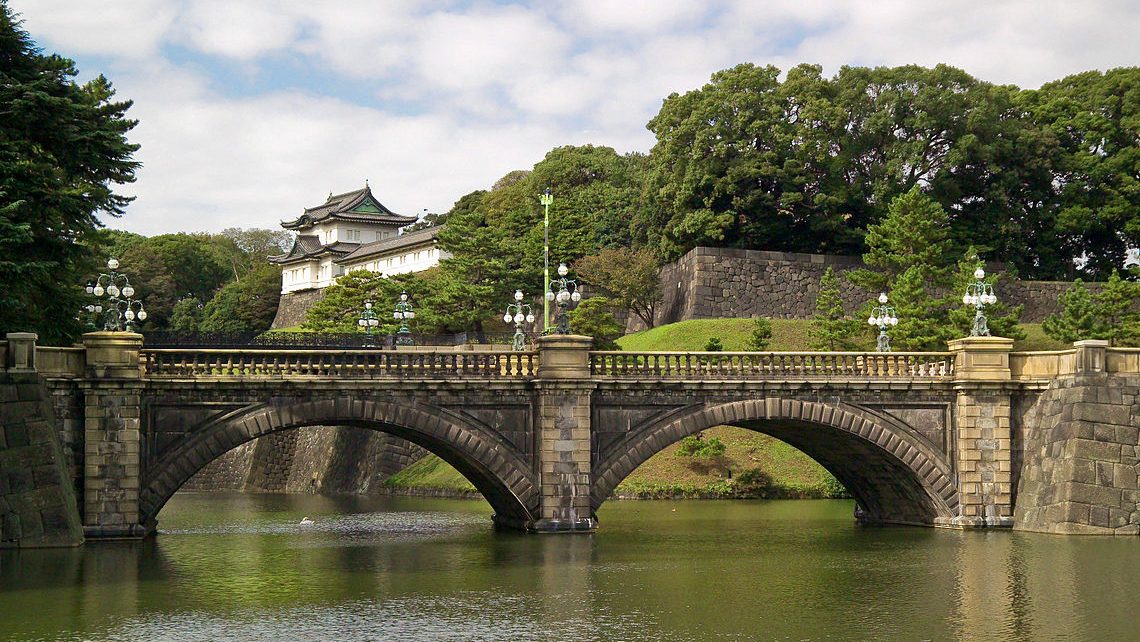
[[363, 364], [761, 365]]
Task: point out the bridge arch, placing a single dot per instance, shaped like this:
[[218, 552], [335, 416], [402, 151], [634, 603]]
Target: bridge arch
[[893, 472], [492, 465]]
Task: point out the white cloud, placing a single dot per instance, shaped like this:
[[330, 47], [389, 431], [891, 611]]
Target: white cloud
[[122, 28], [448, 96], [242, 30]]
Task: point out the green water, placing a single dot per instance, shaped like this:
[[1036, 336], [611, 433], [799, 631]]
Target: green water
[[241, 567]]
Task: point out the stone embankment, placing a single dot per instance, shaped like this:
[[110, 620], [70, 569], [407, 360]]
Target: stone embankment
[[37, 499]]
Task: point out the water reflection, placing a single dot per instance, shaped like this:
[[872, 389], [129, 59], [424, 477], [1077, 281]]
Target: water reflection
[[242, 567]]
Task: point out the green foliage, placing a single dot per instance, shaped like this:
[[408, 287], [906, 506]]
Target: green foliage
[[245, 305], [594, 318], [699, 448], [831, 329], [761, 335], [1092, 119], [923, 323], [343, 303], [63, 149], [1112, 314], [914, 235], [187, 315], [629, 277], [714, 345], [258, 244], [807, 164], [170, 267]]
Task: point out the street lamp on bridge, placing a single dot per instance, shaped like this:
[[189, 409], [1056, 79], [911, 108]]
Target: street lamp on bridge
[[884, 317], [402, 313], [122, 309], [368, 321], [567, 293], [522, 313], [979, 294]]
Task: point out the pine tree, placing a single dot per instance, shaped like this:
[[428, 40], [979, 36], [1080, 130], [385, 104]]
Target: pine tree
[[1117, 307], [761, 334], [831, 329], [922, 322], [1078, 317], [63, 147], [911, 243]]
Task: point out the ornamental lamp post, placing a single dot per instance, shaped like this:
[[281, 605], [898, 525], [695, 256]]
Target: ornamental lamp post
[[368, 321], [522, 313], [884, 317], [122, 309], [567, 294], [402, 313], [546, 199], [93, 310], [979, 294]]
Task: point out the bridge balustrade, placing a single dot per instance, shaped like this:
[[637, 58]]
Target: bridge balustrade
[[764, 365], [341, 364]]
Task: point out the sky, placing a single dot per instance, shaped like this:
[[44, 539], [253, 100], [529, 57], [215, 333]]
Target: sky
[[251, 110]]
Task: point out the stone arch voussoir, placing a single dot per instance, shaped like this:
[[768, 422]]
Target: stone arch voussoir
[[500, 473], [896, 441]]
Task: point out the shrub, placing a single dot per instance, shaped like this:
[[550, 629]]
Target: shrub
[[761, 334], [695, 446], [714, 345]]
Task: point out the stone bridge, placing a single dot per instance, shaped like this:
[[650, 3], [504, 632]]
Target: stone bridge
[[970, 438]]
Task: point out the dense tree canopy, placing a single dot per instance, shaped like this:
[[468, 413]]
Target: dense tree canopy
[[63, 149], [1035, 178]]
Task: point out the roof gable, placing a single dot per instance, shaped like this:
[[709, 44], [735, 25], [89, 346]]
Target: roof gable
[[358, 206]]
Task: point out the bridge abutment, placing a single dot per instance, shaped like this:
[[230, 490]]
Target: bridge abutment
[[112, 398], [564, 435]]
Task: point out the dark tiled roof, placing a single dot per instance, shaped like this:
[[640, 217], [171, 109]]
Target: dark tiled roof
[[340, 207], [307, 247], [387, 245]]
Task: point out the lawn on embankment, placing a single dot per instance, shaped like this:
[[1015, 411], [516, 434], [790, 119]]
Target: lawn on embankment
[[760, 466]]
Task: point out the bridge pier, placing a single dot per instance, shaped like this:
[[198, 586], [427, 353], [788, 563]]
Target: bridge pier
[[563, 444], [983, 383], [112, 393]]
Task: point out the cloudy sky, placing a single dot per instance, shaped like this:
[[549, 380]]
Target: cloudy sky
[[250, 110]]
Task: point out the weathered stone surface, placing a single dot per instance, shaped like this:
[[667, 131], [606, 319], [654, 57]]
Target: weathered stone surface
[[1081, 480], [37, 499], [725, 282]]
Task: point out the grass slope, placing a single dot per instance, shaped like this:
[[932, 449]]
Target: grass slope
[[761, 466]]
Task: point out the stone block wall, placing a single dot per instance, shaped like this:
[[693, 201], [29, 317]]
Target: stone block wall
[[724, 282], [292, 307], [37, 496], [325, 459], [1080, 472]]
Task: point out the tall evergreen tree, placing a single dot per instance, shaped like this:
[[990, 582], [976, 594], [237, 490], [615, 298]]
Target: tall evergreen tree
[[1078, 316], [63, 147], [831, 328]]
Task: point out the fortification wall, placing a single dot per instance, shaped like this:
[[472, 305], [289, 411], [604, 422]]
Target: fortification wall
[[292, 307], [723, 282], [1079, 463], [324, 459], [37, 498]]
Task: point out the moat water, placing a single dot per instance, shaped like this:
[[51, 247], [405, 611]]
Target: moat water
[[242, 567]]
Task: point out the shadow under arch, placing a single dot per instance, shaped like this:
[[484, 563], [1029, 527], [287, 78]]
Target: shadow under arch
[[492, 465], [895, 474]]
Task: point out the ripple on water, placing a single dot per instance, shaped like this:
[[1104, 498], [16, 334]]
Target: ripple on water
[[362, 527]]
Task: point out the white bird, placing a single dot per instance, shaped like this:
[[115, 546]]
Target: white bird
[[305, 521]]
